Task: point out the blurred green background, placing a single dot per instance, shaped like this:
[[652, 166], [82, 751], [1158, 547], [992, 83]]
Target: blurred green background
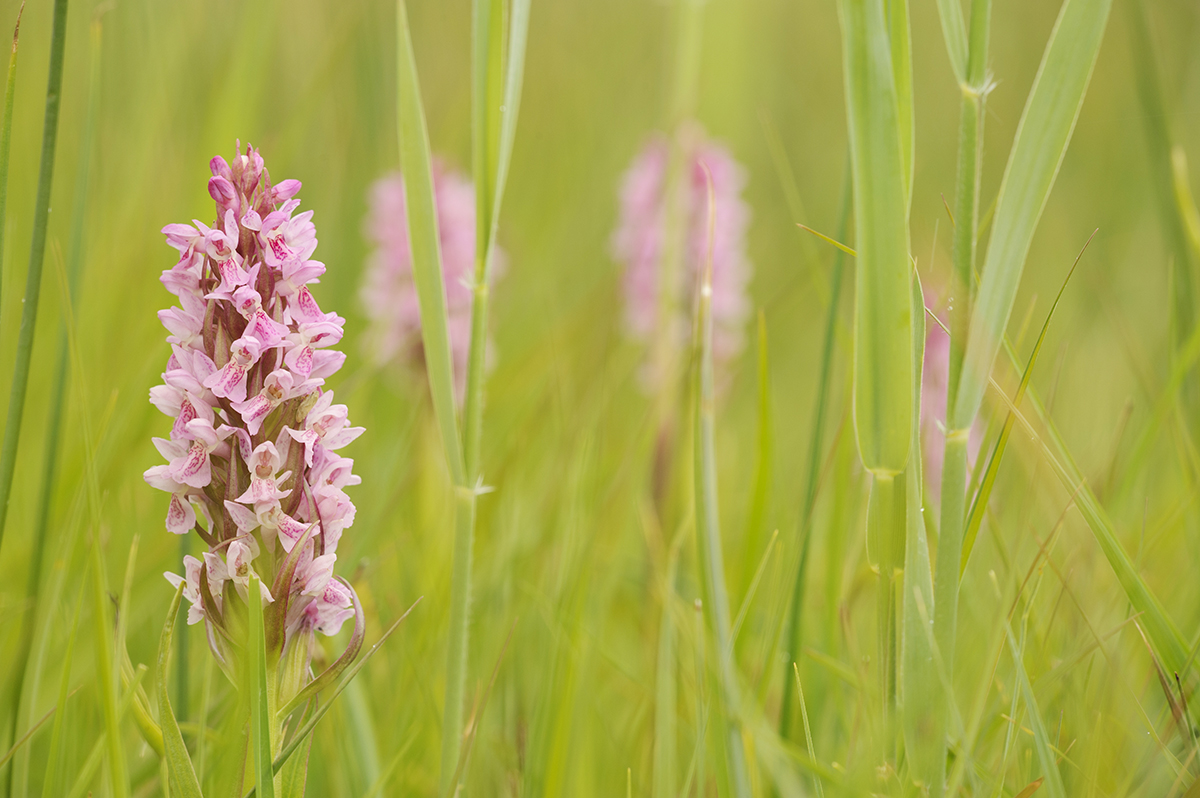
[[564, 550]]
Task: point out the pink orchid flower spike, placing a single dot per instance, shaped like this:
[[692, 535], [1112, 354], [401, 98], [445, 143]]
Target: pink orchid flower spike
[[250, 457]]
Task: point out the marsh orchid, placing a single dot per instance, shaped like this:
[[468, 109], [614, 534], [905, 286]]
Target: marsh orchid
[[250, 459]]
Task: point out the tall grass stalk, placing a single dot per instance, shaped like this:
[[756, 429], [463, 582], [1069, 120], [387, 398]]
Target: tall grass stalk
[[493, 131], [708, 533], [37, 256], [19, 773], [974, 87]]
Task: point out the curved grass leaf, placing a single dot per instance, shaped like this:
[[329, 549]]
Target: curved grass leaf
[[1041, 142], [882, 313], [181, 775]]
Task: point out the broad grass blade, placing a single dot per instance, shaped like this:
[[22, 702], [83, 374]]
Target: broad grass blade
[[1041, 142], [955, 34], [180, 773], [882, 312]]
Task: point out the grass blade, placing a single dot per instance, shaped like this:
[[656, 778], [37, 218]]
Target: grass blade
[[257, 685], [180, 773], [37, 257], [882, 313], [955, 34], [763, 461], [812, 754], [900, 39], [421, 211], [1041, 142]]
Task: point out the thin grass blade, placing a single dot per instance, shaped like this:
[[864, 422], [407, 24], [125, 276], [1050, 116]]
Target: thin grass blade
[[37, 257], [980, 499]]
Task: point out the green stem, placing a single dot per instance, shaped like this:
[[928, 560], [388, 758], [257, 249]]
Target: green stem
[[966, 236], [37, 252], [456, 653], [708, 537]]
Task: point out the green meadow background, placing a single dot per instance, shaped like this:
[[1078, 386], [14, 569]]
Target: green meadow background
[[566, 555]]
